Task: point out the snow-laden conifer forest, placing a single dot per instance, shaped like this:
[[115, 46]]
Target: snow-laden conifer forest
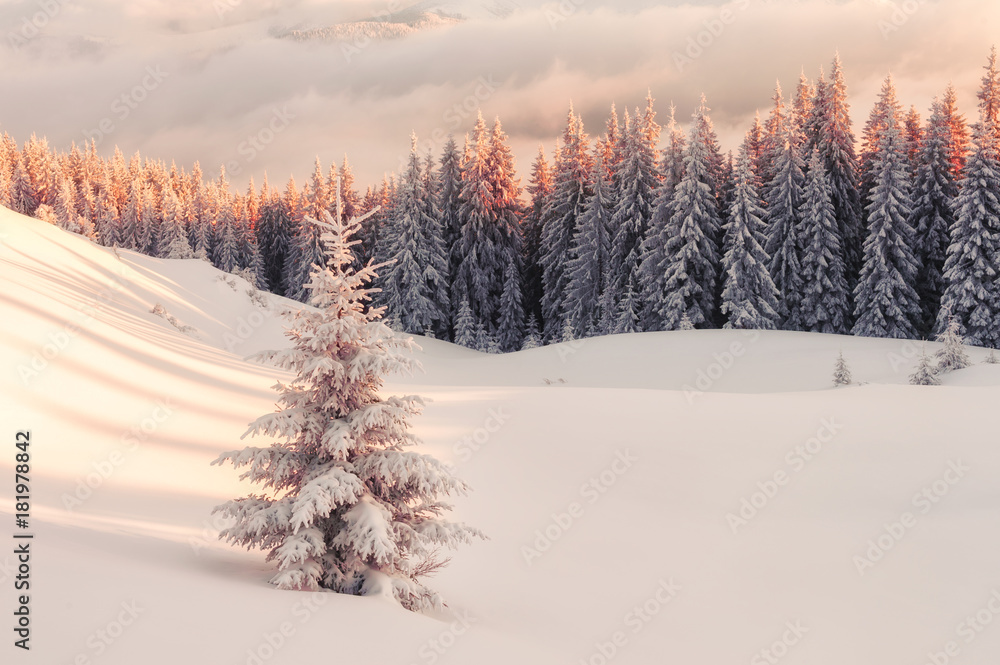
[[695, 386]]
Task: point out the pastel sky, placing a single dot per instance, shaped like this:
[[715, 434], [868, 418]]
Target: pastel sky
[[201, 77]]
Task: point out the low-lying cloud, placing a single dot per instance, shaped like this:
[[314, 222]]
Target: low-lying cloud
[[226, 71]]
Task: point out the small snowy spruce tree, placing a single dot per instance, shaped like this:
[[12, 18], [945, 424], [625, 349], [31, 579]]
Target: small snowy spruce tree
[[346, 507], [925, 374], [952, 356], [465, 326], [841, 373]]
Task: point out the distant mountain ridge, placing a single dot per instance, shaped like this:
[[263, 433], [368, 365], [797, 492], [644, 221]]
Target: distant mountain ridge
[[418, 17]]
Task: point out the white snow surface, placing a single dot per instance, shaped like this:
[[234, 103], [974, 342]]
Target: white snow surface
[[610, 445]]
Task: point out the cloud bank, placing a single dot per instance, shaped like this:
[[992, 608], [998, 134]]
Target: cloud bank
[[217, 82]]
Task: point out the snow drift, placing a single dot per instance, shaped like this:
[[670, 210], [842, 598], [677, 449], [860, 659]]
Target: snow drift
[[700, 496]]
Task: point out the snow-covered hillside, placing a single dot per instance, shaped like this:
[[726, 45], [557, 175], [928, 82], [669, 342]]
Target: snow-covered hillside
[[696, 497]]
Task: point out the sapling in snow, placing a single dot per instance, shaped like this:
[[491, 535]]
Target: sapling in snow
[[841, 373], [925, 374], [345, 505], [952, 356]]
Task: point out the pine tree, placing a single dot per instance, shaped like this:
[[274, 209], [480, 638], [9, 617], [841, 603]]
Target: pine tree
[[274, 238], [886, 109], [784, 246], [692, 254], [108, 223], [914, 138], [350, 508], [924, 374], [559, 222], [225, 252], [652, 270], [958, 133], [824, 305], [972, 266], [934, 193], [490, 216], [349, 198], [415, 285], [540, 188], [886, 305], [805, 97], [307, 251], [627, 320], [776, 132], [952, 355], [65, 208], [449, 201], [841, 373], [835, 140], [465, 326], [568, 334], [510, 327], [21, 194], [532, 340], [749, 299], [754, 144], [174, 242], [590, 253], [131, 221], [635, 198]]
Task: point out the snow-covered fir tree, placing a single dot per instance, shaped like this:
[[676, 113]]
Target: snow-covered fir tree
[[273, 238], [627, 316], [934, 193], [571, 191], [449, 200], [306, 251], [841, 373], [691, 253], [415, 284], [824, 304], [532, 338], [776, 132], [952, 355], [465, 326], [652, 269], [174, 241], [346, 506], [590, 252], [784, 196], [886, 304], [490, 217], [510, 324], [749, 297], [972, 266], [925, 374], [959, 139], [886, 109], [225, 253], [637, 183], [540, 187], [835, 140]]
